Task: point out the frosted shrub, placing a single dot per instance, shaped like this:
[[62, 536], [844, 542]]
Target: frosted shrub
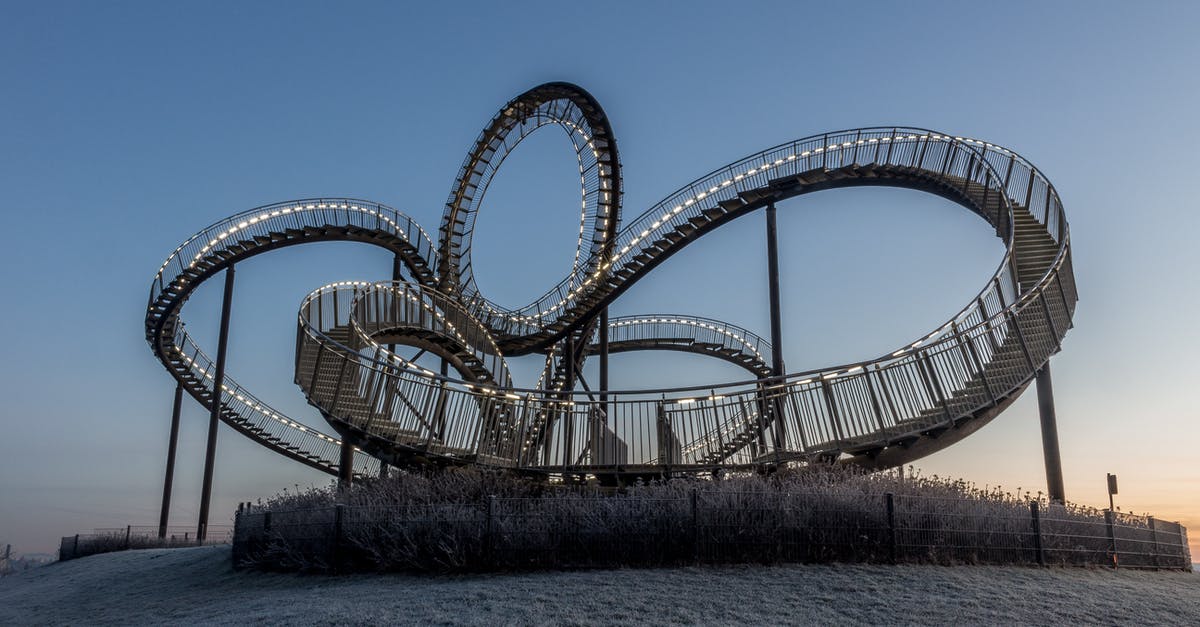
[[469, 520]]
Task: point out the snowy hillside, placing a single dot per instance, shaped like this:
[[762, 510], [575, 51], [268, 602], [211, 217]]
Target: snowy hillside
[[188, 586]]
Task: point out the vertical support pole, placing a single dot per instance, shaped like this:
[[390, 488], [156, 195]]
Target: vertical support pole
[[568, 409], [695, 498], [490, 532], [396, 263], [346, 465], [776, 324], [604, 359], [443, 370], [1054, 476], [215, 415], [339, 522], [1154, 551], [773, 286], [1112, 538], [569, 365], [891, 523], [169, 478], [128, 535], [1035, 519], [600, 438]]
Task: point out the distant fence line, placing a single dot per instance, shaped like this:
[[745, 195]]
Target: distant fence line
[[108, 540], [700, 527]]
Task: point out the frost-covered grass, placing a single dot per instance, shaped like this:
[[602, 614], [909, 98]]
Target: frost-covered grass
[[466, 520], [199, 586], [108, 541]]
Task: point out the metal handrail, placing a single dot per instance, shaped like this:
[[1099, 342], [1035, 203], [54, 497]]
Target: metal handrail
[[723, 184]]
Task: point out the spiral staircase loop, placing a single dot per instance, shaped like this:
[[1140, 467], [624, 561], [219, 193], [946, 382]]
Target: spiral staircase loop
[[923, 396]]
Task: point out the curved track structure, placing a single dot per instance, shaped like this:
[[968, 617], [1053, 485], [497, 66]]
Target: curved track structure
[[923, 395]]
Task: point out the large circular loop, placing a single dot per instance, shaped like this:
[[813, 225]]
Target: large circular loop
[[581, 117]]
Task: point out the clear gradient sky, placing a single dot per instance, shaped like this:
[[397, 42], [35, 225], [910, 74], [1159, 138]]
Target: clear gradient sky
[[125, 128]]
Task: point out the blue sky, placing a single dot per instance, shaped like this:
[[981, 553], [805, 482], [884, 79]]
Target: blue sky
[[126, 127]]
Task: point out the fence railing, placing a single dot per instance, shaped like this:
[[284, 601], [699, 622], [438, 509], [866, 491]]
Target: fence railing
[[108, 540], [701, 527]]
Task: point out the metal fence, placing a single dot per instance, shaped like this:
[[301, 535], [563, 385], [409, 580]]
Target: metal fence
[[108, 540], [700, 527]]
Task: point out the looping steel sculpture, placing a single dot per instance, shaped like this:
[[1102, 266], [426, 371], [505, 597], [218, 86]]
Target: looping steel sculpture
[[922, 396]]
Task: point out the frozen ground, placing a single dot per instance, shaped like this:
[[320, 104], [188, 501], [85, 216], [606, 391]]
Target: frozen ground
[[190, 586]]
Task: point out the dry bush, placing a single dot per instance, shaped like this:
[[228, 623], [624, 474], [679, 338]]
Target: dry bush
[[470, 520]]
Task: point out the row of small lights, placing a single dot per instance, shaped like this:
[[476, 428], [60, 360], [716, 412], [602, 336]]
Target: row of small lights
[[427, 307], [724, 184], [763, 168], [258, 407], [583, 189], [273, 213], [732, 425], [743, 341], [601, 221]]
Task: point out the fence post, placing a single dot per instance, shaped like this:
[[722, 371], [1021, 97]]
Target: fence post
[[1112, 537], [695, 506], [1185, 554], [1154, 541], [489, 530], [1035, 518], [335, 550], [75, 551], [128, 528], [266, 522], [891, 523]]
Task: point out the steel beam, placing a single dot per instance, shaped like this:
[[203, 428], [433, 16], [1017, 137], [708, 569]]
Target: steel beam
[[1054, 475], [172, 444], [215, 415], [604, 358], [346, 465], [776, 321], [396, 277]]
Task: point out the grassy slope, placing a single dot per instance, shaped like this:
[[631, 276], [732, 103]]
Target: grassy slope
[[198, 586]]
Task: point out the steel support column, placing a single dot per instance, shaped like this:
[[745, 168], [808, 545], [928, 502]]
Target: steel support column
[[569, 366], [346, 465], [1054, 476], [604, 358], [215, 415], [776, 320], [170, 474], [396, 276]]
